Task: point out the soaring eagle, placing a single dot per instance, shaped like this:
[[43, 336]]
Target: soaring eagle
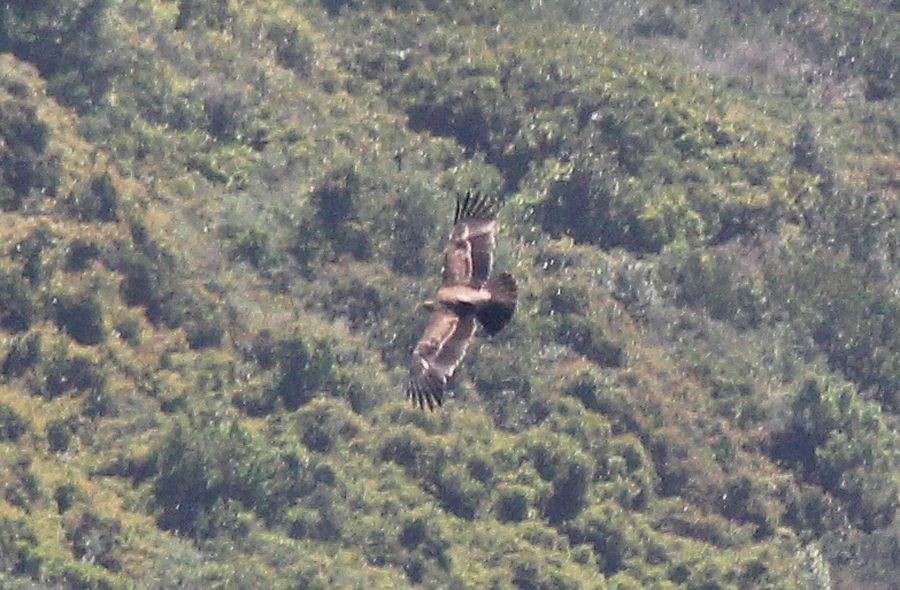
[[467, 297]]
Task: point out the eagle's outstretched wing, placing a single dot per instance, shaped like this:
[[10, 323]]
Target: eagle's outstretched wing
[[436, 356], [470, 254]]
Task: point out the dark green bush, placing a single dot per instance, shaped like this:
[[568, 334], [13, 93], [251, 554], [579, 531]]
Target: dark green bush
[[252, 245], [80, 254], [197, 468], [719, 281], [512, 504], [459, 493], [17, 311], [81, 317], [836, 439], [97, 540], [66, 41], [129, 330], [59, 434], [203, 324], [12, 425], [99, 403], [217, 14], [30, 252], [19, 547], [97, 201], [607, 532], [305, 366], [24, 163], [293, 49], [64, 497], [62, 373], [326, 423], [24, 353], [568, 491]]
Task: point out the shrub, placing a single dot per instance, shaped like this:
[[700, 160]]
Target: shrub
[[251, 245], [197, 468], [129, 330], [99, 403], [335, 201], [81, 317], [79, 255], [225, 107], [31, 252], [217, 14], [836, 439], [294, 49], [12, 425], [64, 496], [305, 366], [424, 536], [512, 503], [65, 40], [24, 353], [569, 491], [569, 473], [16, 308], [62, 373], [18, 547], [97, 540], [608, 532], [720, 281], [322, 424], [459, 493], [203, 324], [59, 434], [24, 163], [98, 201]]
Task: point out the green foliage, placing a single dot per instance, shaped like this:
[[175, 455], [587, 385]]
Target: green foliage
[[323, 424], [850, 314], [59, 434], [64, 497], [335, 219], [97, 540], [198, 472], [80, 255], [18, 542], [719, 282], [24, 162], [81, 317], [12, 425], [16, 307], [840, 441], [65, 371], [95, 201], [304, 367], [65, 41], [32, 253], [513, 503]]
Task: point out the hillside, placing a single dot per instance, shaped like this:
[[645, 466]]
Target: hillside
[[218, 221]]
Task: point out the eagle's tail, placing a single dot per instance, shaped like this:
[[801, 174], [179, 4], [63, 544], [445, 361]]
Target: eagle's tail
[[497, 312]]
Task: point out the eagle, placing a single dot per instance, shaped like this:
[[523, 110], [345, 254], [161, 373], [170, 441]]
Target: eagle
[[468, 297]]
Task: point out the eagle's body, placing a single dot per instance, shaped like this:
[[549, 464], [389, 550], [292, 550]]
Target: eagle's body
[[468, 297], [458, 297]]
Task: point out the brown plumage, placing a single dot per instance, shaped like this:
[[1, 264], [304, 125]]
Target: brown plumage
[[466, 298]]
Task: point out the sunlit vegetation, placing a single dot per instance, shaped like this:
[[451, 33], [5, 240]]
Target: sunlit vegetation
[[218, 221]]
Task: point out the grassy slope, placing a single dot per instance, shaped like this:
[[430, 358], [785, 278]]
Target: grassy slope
[[232, 414]]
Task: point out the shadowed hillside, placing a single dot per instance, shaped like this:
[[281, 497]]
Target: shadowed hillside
[[218, 221]]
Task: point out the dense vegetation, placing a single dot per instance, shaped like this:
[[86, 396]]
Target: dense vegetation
[[219, 218]]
